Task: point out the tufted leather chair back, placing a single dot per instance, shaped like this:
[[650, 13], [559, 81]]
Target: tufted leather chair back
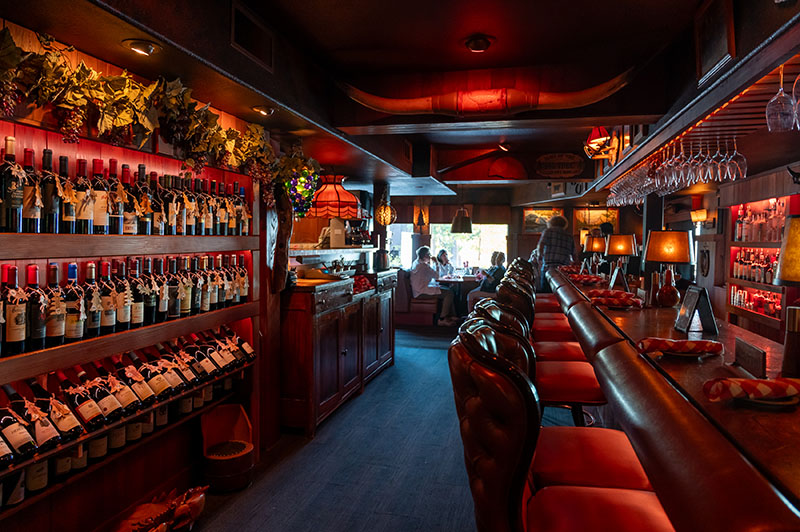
[[501, 342], [502, 316], [510, 293], [518, 269], [522, 264], [523, 282], [499, 417]]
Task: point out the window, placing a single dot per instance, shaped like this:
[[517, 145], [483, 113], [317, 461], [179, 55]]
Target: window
[[475, 248]]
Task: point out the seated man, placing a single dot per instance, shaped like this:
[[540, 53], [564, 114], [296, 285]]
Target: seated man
[[423, 286], [488, 286]]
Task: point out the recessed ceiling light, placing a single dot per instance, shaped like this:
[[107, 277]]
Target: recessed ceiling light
[[478, 42], [264, 110], [142, 46]]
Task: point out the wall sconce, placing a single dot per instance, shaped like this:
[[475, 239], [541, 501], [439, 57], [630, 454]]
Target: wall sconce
[[421, 219], [699, 215], [601, 145]]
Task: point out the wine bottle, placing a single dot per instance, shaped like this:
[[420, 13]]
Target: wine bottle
[[190, 204], [211, 210], [169, 201], [160, 281], [55, 317], [119, 388], [152, 376], [229, 351], [205, 287], [199, 208], [100, 189], [13, 178], [131, 376], [160, 200], [116, 200], [238, 210], [144, 194], [45, 434], [224, 361], [31, 196], [75, 306], [93, 302], [111, 408], [196, 357], [197, 286], [51, 195], [132, 209], [186, 288], [84, 207], [180, 206], [149, 289], [244, 280], [67, 224], [108, 296], [222, 209], [227, 279], [234, 274], [124, 294], [243, 345], [137, 294], [6, 455], [14, 430], [223, 283], [168, 369], [173, 290], [14, 301], [213, 285], [182, 361], [36, 318], [61, 416], [231, 205], [245, 211]]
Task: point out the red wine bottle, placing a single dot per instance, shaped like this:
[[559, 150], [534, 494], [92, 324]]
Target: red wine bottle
[[7, 456], [36, 319], [200, 207], [116, 199], [76, 306], [205, 286], [44, 432], [123, 393], [100, 188], [183, 363], [13, 177], [61, 416], [67, 221], [124, 294], [149, 292], [84, 207], [231, 205], [108, 404], [204, 361], [82, 403], [15, 430], [160, 205], [31, 196], [227, 279], [152, 376], [131, 210], [190, 204], [197, 286], [180, 206], [51, 199], [138, 289], [226, 348], [160, 281], [243, 345], [131, 376], [244, 280], [224, 360], [55, 317], [234, 274], [212, 278], [93, 301], [144, 193], [16, 312], [186, 287], [168, 369], [108, 295], [174, 286]]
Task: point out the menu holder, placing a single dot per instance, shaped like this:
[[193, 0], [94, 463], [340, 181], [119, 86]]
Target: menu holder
[[751, 359], [696, 300]]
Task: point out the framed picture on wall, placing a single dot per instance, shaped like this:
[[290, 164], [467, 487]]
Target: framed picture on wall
[[535, 220], [590, 218]]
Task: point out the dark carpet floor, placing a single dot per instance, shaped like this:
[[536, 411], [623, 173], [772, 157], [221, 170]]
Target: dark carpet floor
[[388, 460]]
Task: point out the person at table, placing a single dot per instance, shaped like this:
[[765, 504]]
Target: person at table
[[556, 248], [443, 265], [492, 278], [423, 286]]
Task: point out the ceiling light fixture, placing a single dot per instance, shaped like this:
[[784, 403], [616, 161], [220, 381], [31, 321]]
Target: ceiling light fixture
[[142, 46], [264, 110], [478, 42]]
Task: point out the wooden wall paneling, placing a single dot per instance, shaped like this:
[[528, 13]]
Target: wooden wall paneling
[[270, 326]]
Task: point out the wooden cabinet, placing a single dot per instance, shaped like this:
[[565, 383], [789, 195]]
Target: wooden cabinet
[[371, 357], [386, 328]]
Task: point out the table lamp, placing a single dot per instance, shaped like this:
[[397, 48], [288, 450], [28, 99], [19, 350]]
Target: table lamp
[[668, 247], [594, 245], [788, 272], [620, 247]]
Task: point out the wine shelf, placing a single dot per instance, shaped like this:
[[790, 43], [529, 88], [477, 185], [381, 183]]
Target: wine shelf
[[130, 447], [37, 362], [762, 245], [763, 319], [758, 286], [49, 246]]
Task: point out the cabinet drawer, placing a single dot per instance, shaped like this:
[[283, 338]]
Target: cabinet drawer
[[328, 299], [387, 282]]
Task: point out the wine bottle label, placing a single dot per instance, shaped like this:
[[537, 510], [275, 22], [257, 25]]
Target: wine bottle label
[[123, 310], [37, 319], [137, 312], [63, 465], [56, 318], [208, 393], [148, 422], [231, 222], [186, 302], [213, 294], [84, 210], [185, 405], [130, 223], [44, 431], [207, 365], [36, 476], [4, 451], [88, 410], [15, 322], [172, 378], [73, 326], [98, 447], [29, 207], [63, 419], [205, 299], [217, 357], [162, 416], [190, 213], [163, 300], [68, 212], [133, 430], [117, 437], [247, 349], [108, 404], [171, 214], [187, 374], [227, 356], [180, 225], [197, 400], [14, 196], [93, 319], [244, 285], [158, 384], [109, 316], [222, 216], [79, 457], [209, 218], [174, 306], [17, 435], [142, 390], [100, 207], [158, 223], [125, 396]]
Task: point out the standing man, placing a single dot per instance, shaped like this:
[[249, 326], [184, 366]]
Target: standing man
[[556, 248]]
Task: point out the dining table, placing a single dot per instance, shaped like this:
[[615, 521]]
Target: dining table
[[461, 286]]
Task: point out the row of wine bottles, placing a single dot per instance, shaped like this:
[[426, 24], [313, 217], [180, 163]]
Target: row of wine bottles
[[35, 419], [128, 294], [43, 201]]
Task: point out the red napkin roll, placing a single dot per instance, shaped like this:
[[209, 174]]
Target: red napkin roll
[[621, 294], [730, 388], [586, 278], [651, 345], [617, 302], [572, 268]]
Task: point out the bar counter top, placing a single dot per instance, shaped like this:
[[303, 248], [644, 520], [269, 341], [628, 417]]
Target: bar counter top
[[769, 438]]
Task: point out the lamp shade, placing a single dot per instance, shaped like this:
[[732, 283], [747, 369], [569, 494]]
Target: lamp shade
[[333, 201], [462, 223], [594, 244], [621, 246], [385, 214], [788, 272], [598, 137], [671, 247], [699, 215]]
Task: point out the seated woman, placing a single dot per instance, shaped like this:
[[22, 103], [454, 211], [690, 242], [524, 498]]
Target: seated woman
[[492, 278], [423, 286], [443, 265]]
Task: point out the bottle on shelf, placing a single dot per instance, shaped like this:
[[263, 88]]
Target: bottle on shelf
[[200, 207], [231, 202], [149, 289], [168, 200], [31, 196], [84, 206], [190, 204], [13, 178], [93, 302], [227, 279], [51, 189], [211, 208], [55, 317], [204, 362], [109, 405], [222, 210], [174, 292], [62, 417], [152, 376], [244, 280], [243, 345], [67, 224], [100, 191], [235, 275], [76, 306], [245, 212], [197, 286], [14, 429], [137, 291], [119, 388], [213, 279], [45, 434], [135, 380], [182, 363], [117, 197], [168, 369], [81, 402], [229, 351], [160, 280], [180, 205], [144, 195], [223, 360], [205, 287], [186, 288], [131, 208], [16, 311], [124, 294], [7, 456], [36, 319], [108, 296]]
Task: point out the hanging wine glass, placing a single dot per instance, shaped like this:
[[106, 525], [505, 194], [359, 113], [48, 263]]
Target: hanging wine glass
[[725, 165], [780, 110], [739, 168], [717, 165], [687, 167]]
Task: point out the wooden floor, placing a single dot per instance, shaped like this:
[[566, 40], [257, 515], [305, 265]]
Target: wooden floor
[[388, 460]]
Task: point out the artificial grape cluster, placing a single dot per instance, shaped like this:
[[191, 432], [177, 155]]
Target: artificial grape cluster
[[10, 97], [301, 188], [70, 123]]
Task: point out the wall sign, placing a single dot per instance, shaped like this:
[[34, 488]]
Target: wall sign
[[559, 165]]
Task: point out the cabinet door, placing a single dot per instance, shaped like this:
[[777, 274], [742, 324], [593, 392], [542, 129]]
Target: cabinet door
[[386, 327], [371, 332], [350, 360], [326, 374]]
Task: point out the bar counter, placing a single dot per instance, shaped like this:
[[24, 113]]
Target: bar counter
[[768, 438]]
